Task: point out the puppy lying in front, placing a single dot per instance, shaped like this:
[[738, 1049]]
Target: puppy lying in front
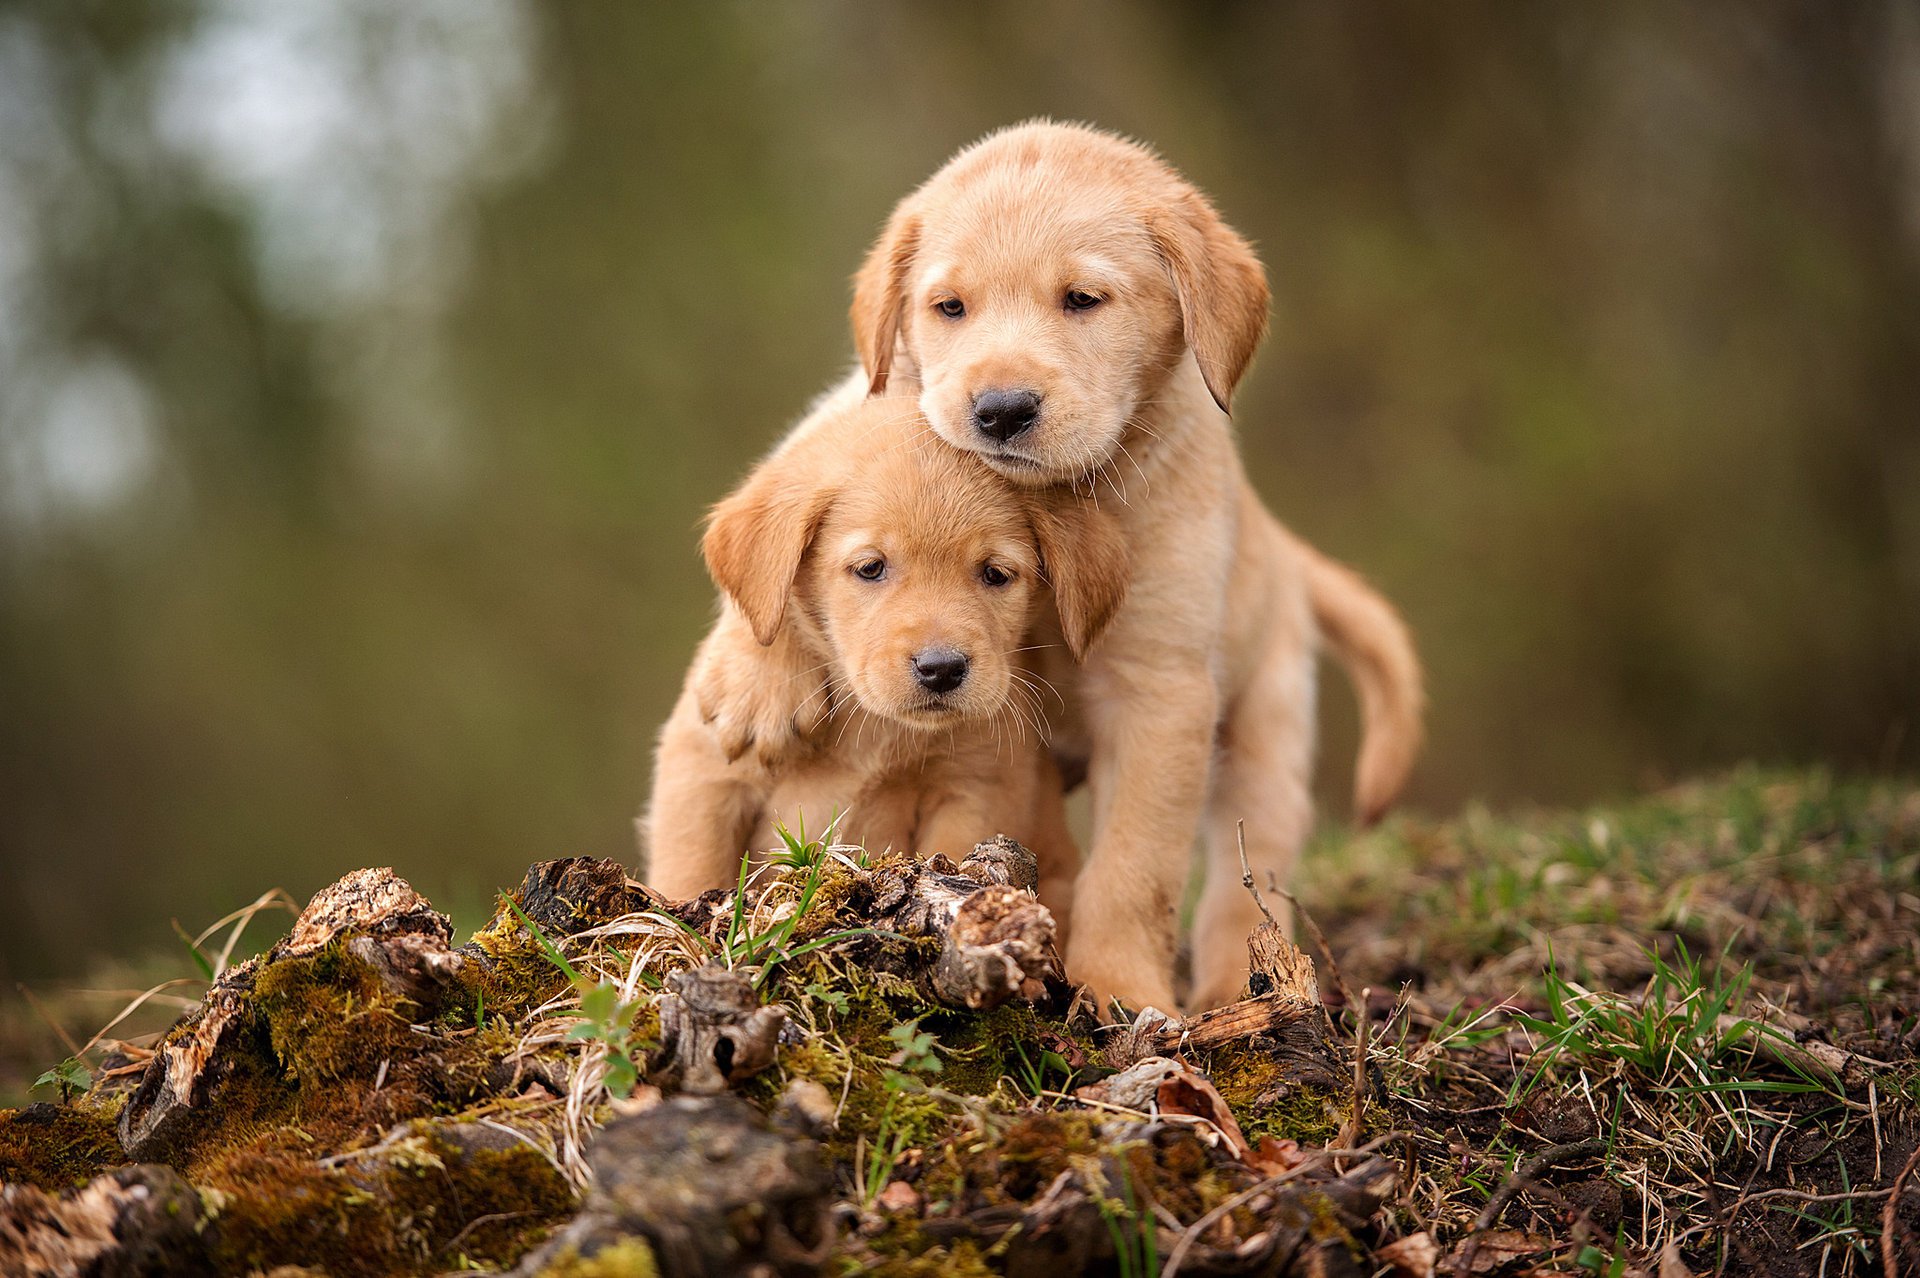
[[909, 574]]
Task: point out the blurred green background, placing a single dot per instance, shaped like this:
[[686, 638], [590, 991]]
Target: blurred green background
[[365, 369]]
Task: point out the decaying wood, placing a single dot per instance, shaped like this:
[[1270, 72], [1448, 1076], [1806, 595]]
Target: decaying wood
[[384, 922], [376, 902], [1000, 860], [714, 1031], [389, 926], [997, 940], [715, 1186], [1168, 1088], [1347, 1200], [139, 1220], [1778, 1040], [999, 943], [922, 898], [711, 1186], [1271, 1015], [575, 893], [1280, 968], [188, 1067]]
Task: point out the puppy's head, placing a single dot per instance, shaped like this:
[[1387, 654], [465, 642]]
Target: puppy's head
[[913, 569], [1044, 284]]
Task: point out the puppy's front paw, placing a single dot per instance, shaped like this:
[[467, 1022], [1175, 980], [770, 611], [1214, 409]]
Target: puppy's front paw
[[751, 707], [1114, 973]]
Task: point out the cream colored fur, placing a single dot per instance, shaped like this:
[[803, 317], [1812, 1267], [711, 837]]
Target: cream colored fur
[[961, 563], [1199, 704]]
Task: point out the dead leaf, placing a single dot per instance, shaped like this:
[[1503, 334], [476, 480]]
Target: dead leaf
[[1065, 1048], [1133, 1087], [1411, 1257], [1275, 1156], [1189, 1092]]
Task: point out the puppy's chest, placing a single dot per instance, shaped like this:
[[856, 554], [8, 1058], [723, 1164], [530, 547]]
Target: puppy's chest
[[877, 789]]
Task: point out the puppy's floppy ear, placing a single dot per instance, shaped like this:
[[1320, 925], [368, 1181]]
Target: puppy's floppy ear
[[1084, 558], [1221, 286], [756, 538], [880, 295]]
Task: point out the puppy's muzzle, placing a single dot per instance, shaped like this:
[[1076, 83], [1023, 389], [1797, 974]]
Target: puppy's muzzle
[[1003, 414], [940, 670]]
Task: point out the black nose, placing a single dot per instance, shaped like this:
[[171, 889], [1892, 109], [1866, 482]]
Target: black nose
[[940, 669], [1002, 414]]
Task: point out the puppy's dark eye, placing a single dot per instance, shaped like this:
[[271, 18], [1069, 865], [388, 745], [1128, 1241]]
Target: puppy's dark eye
[[1078, 299], [951, 307], [994, 575], [870, 569]]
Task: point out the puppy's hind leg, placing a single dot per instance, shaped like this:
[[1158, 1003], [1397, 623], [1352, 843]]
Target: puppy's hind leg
[[1262, 779]]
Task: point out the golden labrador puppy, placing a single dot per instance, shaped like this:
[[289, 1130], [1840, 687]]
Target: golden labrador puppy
[[902, 576], [1066, 307]]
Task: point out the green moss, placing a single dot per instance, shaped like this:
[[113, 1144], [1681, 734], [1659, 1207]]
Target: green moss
[[1266, 1102], [628, 1258], [877, 1107], [855, 1040], [56, 1147], [982, 1050], [507, 973], [330, 1061], [835, 903], [1029, 1154], [414, 1208], [254, 1099], [329, 1016], [1179, 1173], [903, 1259]]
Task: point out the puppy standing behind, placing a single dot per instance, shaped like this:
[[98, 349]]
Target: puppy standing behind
[[1065, 306], [901, 576]]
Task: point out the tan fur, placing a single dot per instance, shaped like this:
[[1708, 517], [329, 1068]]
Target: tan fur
[[1200, 703], [906, 769]]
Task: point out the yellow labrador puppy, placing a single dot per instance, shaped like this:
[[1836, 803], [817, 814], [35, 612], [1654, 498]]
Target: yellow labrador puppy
[[902, 576], [1066, 307]]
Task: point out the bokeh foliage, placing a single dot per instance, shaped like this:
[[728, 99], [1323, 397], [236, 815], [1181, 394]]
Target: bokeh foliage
[[364, 371]]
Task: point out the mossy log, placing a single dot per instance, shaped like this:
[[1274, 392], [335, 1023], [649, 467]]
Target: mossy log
[[996, 939], [714, 1031], [710, 1186], [914, 1089], [373, 915], [189, 1067]]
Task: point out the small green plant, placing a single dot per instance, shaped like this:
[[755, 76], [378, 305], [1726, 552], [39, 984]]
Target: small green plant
[[836, 999], [1037, 1068], [917, 1049], [797, 851], [1136, 1243], [766, 951], [1602, 1263], [1681, 1033], [199, 956], [882, 1156], [609, 1021], [917, 1054], [69, 1076], [605, 1018]]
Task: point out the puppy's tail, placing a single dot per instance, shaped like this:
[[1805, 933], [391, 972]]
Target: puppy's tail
[[1372, 642]]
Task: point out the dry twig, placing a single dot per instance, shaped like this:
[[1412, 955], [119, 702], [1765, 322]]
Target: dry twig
[[1889, 1213], [1523, 1176]]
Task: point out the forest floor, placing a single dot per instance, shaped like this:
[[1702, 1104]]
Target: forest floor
[[1676, 1035]]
